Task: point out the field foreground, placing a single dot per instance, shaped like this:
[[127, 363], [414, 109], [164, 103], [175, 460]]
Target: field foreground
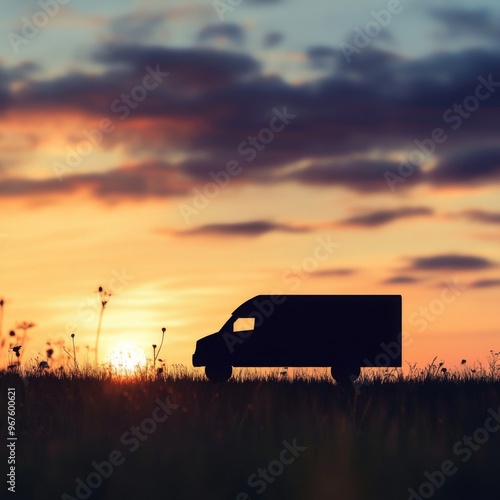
[[92, 436]]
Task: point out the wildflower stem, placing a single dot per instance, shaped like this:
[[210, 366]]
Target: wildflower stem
[[161, 343], [98, 334], [74, 351]]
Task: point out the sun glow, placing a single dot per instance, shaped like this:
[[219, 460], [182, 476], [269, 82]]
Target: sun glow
[[125, 357]]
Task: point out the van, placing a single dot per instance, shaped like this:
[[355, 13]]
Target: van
[[344, 332]]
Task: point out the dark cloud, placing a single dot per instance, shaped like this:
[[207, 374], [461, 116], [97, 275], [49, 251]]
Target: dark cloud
[[461, 22], [485, 283], [18, 73], [248, 229], [486, 216], [382, 217], [221, 66], [359, 175], [182, 75], [212, 101], [401, 280], [473, 166], [148, 180], [360, 106], [323, 57], [272, 39], [454, 262], [10, 75], [231, 32], [137, 26]]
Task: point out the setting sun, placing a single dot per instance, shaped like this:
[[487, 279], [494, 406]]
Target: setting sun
[[126, 357]]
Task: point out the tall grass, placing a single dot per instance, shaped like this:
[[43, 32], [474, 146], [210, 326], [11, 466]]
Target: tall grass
[[369, 444]]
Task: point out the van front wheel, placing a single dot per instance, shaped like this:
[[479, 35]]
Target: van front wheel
[[345, 374], [218, 373]]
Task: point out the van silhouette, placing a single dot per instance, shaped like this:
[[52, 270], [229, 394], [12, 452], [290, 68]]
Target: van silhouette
[[343, 332]]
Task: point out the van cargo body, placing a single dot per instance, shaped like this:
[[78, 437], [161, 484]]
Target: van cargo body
[[344, 332]]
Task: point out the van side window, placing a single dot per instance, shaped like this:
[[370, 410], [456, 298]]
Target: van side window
[[244, 324]]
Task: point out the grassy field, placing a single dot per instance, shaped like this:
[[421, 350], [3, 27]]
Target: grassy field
[[91, 435]]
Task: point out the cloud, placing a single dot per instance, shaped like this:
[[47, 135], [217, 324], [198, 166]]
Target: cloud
[[271, 39], [212, 101], [136, 182], [323, 57], [382, 217], [11, 75], [366, 176], [357, 107], [231, 32], [137, 26], [247, 229], [455, 262], [477, 215], [485, 283], [473, 166], [187, 77], [462, 22], [401, 280]]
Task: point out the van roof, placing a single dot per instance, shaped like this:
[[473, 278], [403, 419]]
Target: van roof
[[293, 301]]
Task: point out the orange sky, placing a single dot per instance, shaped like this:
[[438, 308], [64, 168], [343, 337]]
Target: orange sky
[[127, 214]]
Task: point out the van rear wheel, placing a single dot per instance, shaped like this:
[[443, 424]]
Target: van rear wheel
[[345, 374], [218, 373]]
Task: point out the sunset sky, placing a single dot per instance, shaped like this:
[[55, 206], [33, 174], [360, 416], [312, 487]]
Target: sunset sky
[[188, 162]]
